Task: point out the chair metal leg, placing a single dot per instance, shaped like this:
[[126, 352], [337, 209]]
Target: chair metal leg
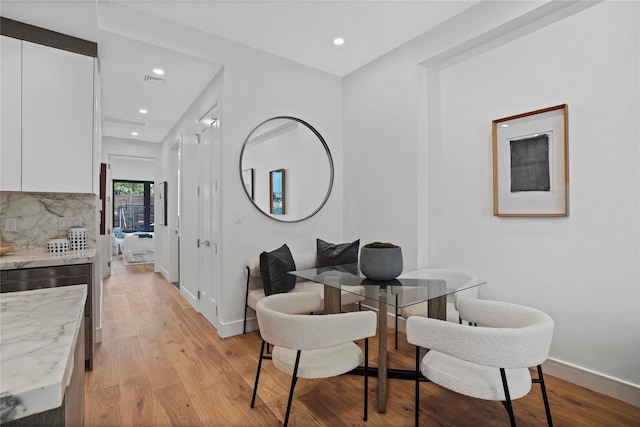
[[507, 401], [294, 379], [366, 378], [244, 326], [417, 393], [540, 381], [246, 302], [255, 386]]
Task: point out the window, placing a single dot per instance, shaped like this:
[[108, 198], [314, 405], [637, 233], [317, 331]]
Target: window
[[133, 205]]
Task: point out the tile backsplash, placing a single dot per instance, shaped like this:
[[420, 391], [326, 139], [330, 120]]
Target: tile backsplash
[[37, 216]]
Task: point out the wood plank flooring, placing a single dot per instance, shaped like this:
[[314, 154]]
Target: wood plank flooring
[[162, 364]]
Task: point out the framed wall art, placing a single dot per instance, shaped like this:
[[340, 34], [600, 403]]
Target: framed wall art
[[247, 179], [531, 163], [276, 191]]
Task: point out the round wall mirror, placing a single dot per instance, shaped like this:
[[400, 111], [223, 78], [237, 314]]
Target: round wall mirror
[[286, 168]]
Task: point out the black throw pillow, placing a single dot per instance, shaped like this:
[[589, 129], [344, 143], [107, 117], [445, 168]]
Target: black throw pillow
[[274, 266], [329, 254]]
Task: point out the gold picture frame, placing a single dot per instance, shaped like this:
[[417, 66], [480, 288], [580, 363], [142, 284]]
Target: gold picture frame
[[531, 163]]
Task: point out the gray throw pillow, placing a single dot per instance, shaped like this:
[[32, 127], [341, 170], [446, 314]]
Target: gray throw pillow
[[330, 254], [274, 266]]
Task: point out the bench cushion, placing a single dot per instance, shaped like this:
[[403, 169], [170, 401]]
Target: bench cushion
[[256, 295]]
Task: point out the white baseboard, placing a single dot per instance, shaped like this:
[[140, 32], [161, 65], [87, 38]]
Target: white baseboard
[[98, 335], [164, 273], [613, 387], [235, 328]]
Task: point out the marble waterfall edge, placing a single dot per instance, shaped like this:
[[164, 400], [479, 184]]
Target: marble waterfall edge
[[38, 334]]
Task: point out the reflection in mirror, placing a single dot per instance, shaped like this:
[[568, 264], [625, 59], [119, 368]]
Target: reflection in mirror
[[286, 146], [247, 179], [277, 182]]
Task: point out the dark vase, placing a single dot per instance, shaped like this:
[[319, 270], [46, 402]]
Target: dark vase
[[381, 264]]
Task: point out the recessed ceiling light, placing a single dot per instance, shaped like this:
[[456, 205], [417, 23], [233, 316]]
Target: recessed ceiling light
[[338, 41], [158, 71], [504, 126], [142, 111], [134, 133]]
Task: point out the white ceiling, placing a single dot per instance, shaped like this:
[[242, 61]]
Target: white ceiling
[[301, 31], [124, 63]]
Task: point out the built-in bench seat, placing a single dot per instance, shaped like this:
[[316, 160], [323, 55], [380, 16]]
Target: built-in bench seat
[[303, 261]]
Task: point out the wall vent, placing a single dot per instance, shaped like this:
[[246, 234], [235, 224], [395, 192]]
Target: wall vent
[[158, 81]]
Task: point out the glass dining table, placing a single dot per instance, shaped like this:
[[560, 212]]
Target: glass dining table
[[431, 286]]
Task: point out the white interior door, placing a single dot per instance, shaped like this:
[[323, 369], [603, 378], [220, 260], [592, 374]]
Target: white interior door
[[189, 222], [208, 155], [200, 217], [108, 217]]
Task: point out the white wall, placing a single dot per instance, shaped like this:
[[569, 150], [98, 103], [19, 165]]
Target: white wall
[[166, 256], [383, 122], [583, 270], [132, 168], [589, 61], [255, 86], [128, 147]]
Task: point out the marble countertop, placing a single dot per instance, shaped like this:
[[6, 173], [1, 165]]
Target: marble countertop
[[42, 258], [38, 334]]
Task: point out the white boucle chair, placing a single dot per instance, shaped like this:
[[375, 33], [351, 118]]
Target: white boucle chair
[[489, 361], [312, 346], [304, 260], [422, 309]]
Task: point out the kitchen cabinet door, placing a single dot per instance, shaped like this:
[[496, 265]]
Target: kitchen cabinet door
[[10, 127], [57, 120]]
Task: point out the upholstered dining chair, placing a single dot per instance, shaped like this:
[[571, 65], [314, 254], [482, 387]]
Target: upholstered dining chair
[[490, 361], [311, 346], [422, 309]]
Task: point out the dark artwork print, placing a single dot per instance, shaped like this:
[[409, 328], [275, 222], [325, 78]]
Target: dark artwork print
[[530, 164]]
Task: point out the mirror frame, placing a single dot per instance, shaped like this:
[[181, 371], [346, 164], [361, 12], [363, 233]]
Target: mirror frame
[[326, 149]]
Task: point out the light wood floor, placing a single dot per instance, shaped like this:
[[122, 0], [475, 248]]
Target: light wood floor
[[161, 363]]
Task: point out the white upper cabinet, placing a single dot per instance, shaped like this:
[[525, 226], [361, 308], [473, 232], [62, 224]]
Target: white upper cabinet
[[10, 127], [57, 120], [47, 119]]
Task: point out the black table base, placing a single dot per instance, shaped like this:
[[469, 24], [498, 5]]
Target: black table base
[[398, 374]]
